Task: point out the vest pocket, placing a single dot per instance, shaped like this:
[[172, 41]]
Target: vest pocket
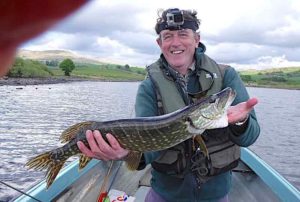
[[171, 161], [224, 159]]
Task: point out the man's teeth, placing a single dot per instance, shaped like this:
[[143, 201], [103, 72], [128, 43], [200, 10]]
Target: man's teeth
[[177, 52]]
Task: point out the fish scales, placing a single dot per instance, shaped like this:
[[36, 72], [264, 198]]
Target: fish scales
[[151, 135], [140, 134]]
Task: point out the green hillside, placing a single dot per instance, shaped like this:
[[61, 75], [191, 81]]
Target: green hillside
[[288, 77], [26, 68], [105, 71]]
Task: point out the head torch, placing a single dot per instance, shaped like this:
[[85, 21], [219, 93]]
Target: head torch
[[174, 20]]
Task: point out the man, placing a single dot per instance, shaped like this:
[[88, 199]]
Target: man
[[183, 66], [180, 62]]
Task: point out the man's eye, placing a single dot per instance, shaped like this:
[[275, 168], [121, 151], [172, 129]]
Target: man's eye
[[183, 34], [166, 37]]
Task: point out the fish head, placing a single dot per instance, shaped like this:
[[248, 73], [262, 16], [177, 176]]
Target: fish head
[[211, 112]]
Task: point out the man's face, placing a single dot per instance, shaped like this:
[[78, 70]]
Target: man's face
[[178, 47]]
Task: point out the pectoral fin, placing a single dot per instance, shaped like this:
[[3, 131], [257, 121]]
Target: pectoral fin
[[133, 160], [202, 145], [83, 161]]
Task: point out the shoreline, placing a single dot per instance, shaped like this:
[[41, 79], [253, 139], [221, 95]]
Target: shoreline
[[269, 86], [9, 81]]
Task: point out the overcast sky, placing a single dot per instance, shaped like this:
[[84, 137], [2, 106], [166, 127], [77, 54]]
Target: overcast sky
[[242, 33]]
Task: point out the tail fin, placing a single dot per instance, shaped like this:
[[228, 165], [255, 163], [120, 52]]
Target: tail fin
[[44, 161], [72, 131]]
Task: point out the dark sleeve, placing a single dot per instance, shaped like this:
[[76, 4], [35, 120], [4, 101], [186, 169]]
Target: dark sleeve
[[145, 106], [145, 102], [246, 134]]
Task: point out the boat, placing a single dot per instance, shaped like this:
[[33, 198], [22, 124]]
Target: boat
[[253, 180]]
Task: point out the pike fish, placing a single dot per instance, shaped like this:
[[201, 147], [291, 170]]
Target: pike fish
[[140, 135]]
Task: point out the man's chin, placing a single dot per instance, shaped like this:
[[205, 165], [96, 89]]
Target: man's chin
[[179, 67]]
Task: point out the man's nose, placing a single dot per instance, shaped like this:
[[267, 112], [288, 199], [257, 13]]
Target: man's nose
[[176, 40]]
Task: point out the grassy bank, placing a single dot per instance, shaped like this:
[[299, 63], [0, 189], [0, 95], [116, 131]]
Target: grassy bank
[[106, 72], [24, 68], [28, 69], [288, 78]]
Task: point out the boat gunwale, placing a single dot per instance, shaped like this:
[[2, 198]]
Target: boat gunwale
[[276, 182]]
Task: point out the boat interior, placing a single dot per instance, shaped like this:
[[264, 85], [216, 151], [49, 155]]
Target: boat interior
[[247, 186]]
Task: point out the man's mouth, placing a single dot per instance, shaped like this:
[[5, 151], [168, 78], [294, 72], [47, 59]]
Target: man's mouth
[[177, 52]]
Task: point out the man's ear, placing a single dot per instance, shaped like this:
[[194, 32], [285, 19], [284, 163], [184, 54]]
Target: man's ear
[[197, 37], [158, 41]]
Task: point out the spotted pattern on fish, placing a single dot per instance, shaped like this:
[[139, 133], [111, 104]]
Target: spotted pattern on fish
[[140, 134]]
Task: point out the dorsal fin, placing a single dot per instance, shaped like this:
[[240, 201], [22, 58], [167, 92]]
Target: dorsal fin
[[72, 131]]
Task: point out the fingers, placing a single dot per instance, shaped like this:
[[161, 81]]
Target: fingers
[[101, 144], [100, 149], [92, 139], [94, 150], [240, 111], [119, 152], [84, 149], [113, 142], [251, 103]]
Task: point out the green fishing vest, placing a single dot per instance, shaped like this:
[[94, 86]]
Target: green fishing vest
[[175, 161], [167, 88]]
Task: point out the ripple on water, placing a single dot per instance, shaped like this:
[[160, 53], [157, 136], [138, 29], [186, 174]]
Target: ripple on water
[[31, 121]]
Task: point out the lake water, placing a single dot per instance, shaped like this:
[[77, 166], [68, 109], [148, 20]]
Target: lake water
[[32, 118]]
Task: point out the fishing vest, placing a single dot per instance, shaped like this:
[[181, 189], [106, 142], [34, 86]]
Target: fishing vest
[[178, 160]]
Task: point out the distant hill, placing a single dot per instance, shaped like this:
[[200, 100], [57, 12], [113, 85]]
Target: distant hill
[[56, 55], [288, 77]]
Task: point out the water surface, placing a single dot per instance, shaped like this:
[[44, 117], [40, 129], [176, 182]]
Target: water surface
[[32, 118]]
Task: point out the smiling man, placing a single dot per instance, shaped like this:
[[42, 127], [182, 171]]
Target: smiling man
[[181, 75]]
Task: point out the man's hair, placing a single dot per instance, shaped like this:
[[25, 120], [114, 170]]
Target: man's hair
[[189, 15]]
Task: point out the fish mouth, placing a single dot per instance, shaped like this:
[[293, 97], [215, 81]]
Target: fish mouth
[[226, 97], [223, 99], [213, 114]]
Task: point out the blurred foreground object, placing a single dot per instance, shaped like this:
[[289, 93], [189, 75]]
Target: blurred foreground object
[[22, 20]]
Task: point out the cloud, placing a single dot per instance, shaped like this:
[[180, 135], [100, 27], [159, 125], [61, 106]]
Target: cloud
[[103, 18], [140, 41], [246, 33]]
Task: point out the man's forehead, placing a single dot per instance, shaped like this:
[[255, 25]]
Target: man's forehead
[[166, 31]]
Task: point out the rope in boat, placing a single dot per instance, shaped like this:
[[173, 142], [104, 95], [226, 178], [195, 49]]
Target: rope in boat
[[106, 178], [103, 192], [20, 191]]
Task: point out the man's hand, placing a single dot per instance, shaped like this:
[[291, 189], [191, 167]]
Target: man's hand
[[240, 111], [100, 149]]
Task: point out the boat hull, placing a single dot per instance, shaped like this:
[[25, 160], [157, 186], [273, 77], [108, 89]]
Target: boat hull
[[253, 180]]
